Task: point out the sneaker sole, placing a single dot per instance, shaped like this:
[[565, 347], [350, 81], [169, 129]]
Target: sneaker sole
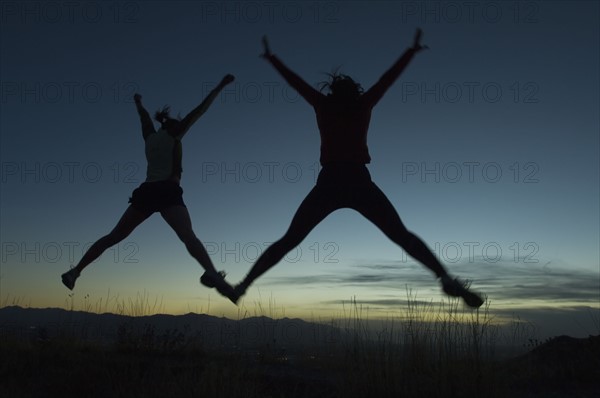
[[473, 300], [66, 283]]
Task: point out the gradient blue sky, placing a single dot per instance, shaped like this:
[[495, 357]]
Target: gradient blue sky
[[487, 145]]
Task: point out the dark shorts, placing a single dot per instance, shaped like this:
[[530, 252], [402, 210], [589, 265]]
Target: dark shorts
[[156, 196], [337, 175]]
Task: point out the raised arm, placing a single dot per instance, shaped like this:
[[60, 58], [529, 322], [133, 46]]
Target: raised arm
[[374, 94], [198, 111], [310, 94], [147, 125]]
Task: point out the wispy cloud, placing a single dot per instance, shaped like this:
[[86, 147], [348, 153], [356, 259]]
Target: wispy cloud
[[511, 282], [379, 302]]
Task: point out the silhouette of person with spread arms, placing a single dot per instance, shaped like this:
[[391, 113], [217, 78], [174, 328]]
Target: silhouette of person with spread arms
[[343, 118], [161, 191]]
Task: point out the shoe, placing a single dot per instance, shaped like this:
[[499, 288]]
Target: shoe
[[458, 288], [69, 278], [208, 278], [217, 280], [238, 292]]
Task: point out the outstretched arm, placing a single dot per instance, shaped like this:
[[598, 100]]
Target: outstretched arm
[[304, 89], [374, 94], [198, 111], [147, 125]]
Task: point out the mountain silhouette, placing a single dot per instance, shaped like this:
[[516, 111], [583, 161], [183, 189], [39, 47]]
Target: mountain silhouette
[[560, 364], [214, 332]]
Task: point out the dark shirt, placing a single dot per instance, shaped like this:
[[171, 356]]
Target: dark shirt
[[343, 125]]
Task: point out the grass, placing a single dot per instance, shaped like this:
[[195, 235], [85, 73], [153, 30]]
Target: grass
[[433, 350], [75, 369]]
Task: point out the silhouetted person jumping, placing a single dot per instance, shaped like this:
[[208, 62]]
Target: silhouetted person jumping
[[343, 118], [161, 191]]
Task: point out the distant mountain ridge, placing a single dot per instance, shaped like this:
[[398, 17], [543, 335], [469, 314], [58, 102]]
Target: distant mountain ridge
[[40, 323], [562, 364]]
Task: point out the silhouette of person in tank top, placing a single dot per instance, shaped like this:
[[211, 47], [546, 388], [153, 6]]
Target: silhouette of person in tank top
[[161, 191]]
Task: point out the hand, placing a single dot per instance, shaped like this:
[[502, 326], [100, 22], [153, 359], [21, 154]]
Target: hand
[[417, 46], [137, 97], [266, 49], [227, 79]]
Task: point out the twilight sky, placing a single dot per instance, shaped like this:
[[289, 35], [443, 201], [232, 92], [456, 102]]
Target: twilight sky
[[487, 145]]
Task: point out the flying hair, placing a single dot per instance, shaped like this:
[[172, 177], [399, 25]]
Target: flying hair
[[335, 78], [163, 114]]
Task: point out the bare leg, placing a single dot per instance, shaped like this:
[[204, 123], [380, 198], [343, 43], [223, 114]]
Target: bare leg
[[179, 219], [313, 209], [128, 222], [376, 207]]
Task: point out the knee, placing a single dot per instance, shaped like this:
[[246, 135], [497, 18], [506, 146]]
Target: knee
[[283, 246], [288, 242], [407, 240]]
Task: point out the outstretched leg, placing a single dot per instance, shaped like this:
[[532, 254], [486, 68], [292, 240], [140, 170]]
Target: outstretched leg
[[128, 222], [178, 218], [314, 208], [376, 207]]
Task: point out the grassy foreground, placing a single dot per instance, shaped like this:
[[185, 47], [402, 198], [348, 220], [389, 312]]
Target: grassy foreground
[[433, 351]]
